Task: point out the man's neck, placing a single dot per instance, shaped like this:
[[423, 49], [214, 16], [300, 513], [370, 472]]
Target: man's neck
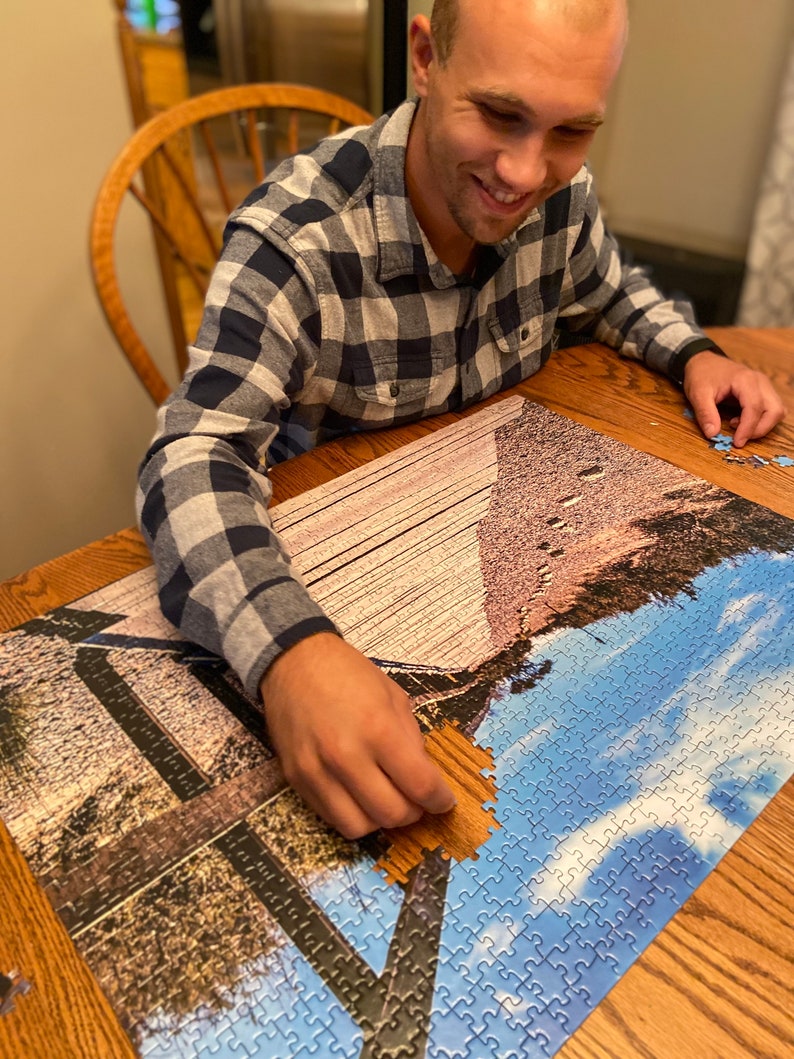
[[454, 249]]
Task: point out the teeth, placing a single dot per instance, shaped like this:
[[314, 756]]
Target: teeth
[[502, 196]]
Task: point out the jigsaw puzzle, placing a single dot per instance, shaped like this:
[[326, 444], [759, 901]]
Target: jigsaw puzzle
[[611, 641]]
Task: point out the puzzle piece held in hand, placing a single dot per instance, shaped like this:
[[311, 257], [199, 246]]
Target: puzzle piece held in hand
[[461, 831]]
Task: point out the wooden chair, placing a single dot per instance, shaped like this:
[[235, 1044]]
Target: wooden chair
[[188, 167], [154, 67]]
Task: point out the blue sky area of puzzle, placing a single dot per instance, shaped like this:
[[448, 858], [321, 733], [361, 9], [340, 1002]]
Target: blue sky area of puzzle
[[623, 778]]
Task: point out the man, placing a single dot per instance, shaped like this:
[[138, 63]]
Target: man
[[393, 272]]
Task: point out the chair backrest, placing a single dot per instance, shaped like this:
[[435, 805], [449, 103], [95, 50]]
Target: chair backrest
[[188, 167], [154, 67]]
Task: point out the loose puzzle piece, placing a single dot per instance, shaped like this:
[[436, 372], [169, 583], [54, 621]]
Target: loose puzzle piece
[[617, 633], [724, 443], [11, 985]]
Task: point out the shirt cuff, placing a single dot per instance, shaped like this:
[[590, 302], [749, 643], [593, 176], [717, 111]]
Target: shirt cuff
[[679, 361], [302, 630]]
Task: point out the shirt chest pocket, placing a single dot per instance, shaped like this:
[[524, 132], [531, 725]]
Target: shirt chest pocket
[[522, 334], [400, 379]]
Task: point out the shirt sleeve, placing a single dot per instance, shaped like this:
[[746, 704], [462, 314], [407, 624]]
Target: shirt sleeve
[[617, 303], [225, 578]]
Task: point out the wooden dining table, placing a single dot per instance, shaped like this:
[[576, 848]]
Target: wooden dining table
[[719, 978]]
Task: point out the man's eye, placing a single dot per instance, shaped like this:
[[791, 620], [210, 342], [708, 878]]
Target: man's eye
[[571, 133], [499, 117]]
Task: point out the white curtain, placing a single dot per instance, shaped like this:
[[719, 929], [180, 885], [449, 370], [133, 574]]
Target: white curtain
[[768, 293]]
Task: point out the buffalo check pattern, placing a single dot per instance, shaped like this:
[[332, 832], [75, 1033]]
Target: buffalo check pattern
[[329, 313]]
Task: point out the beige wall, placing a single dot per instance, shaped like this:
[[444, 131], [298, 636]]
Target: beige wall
[[74, 421], [681, 156], [419, 7]]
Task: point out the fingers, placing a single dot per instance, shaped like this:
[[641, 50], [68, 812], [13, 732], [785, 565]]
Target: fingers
[[389, 781], [707, 417], [710, 380], [350, 790], [332, 803], [374, 802], [347, 739], [756, 422], [358, 804], [705, 385], [413, 773]]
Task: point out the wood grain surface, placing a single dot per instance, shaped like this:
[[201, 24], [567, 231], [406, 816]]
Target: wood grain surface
[[717, 982], [67, 578], [65, 1015]]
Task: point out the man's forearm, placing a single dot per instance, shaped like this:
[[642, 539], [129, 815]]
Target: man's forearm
[[225, 578]]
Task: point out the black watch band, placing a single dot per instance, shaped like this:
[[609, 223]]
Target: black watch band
[[676, 367]]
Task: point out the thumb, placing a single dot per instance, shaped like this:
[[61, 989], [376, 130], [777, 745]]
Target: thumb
[[706, 416]]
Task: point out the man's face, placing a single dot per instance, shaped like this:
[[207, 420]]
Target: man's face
[[510, 118]]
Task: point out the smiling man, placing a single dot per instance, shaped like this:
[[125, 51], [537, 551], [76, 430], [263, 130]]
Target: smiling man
[[501, 128], [392, 272]]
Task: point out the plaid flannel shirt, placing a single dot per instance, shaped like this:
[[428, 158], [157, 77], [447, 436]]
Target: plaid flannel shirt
[[329, 313]]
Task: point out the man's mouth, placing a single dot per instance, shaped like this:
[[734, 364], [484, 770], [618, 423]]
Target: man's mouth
[[505, 202], [505, 197]]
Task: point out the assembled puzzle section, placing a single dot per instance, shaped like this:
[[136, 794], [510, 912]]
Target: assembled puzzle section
[[602, 641]]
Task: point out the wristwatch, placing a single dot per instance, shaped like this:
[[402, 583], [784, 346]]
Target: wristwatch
[[680, 360]]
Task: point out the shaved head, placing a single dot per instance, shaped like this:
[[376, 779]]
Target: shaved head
[[444, 23], [584, 15]]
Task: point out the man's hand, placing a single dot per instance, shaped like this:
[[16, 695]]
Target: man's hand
[[348, 740], [710, 379]]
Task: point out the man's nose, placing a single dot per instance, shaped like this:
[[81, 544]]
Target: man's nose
[[523, 166]]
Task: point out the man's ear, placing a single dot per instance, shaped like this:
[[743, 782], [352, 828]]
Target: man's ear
[[422, 52]]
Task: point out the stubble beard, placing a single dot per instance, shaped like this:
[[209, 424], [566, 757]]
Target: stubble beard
[[478, 228]]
